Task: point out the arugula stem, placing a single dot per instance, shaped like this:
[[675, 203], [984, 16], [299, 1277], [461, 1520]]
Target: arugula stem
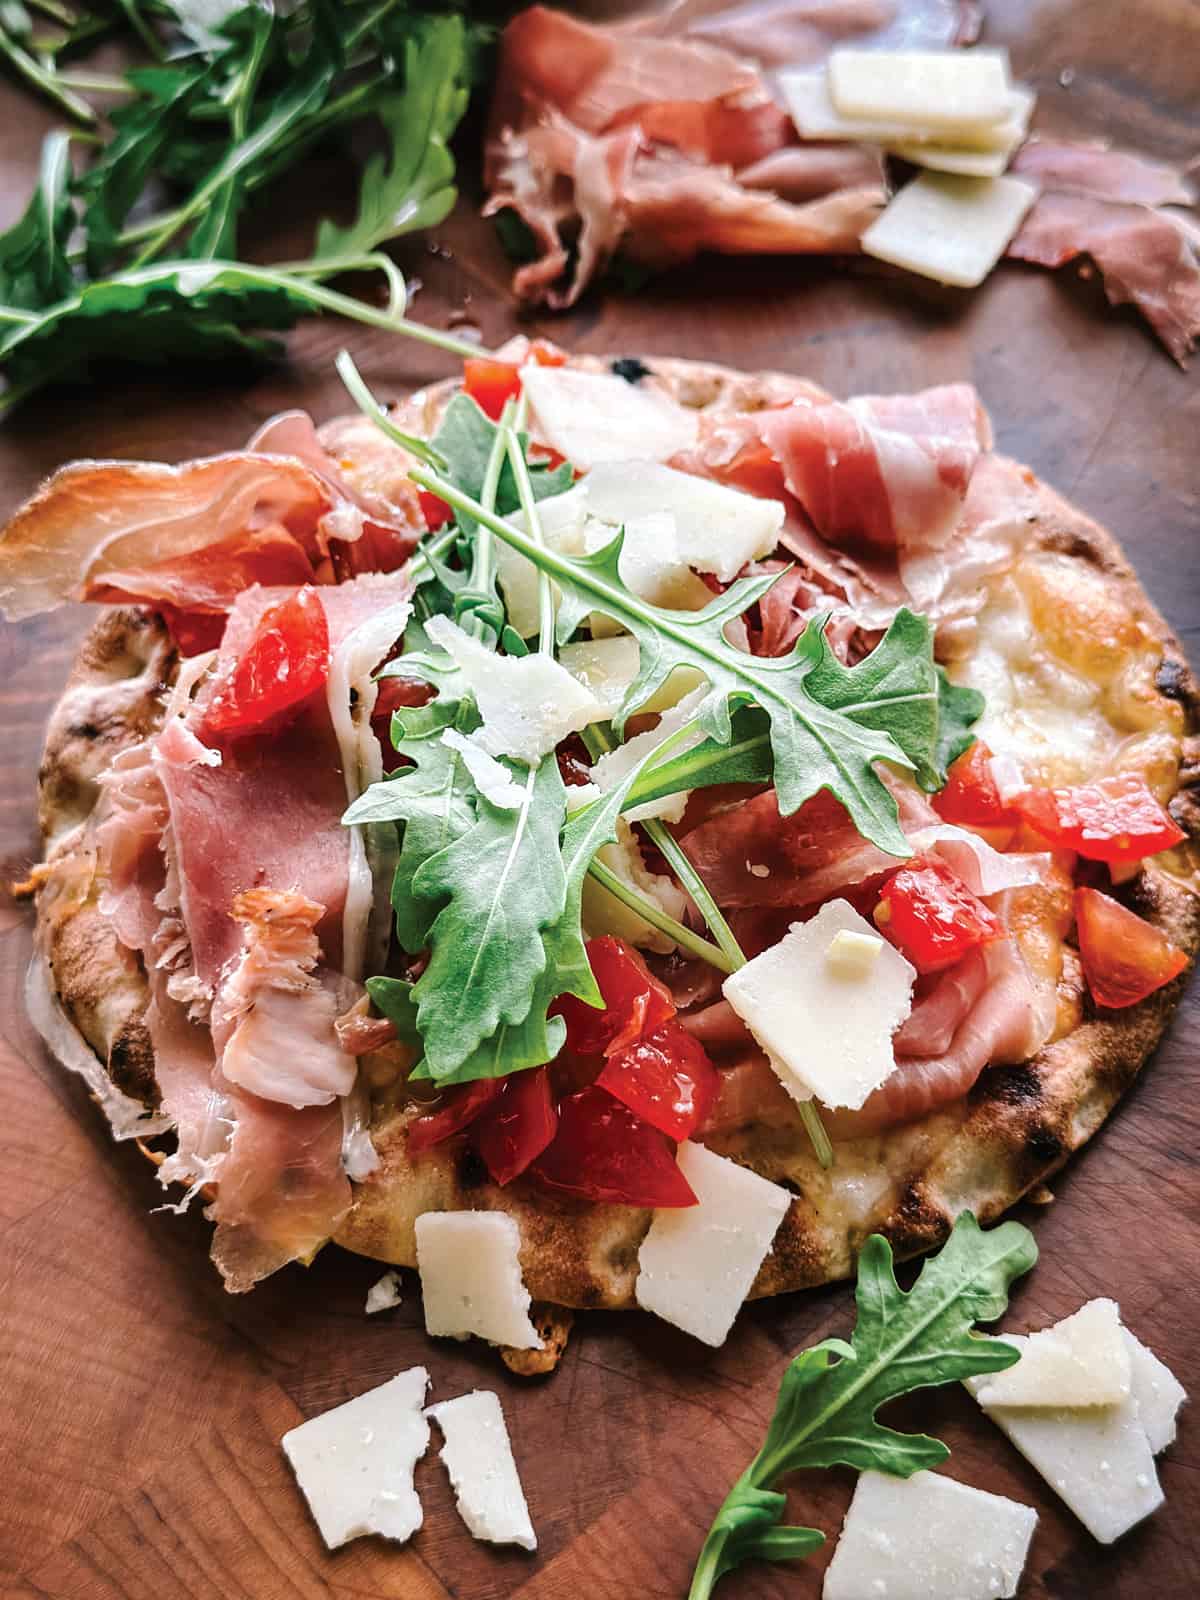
[[657, 918], [46, 81], [483, 577], [520, 467]]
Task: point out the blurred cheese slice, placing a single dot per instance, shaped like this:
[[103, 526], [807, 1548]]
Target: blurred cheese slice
[[826, 1028], [606, 668], [613, 768], [947, 158], [471, 1277], [806, 95], [590, 417], [355, 1463], [950, 228], [946, 89], [1157, 1391], [928, 1537], [697, 1263], [1081, 1361], [479, 1459]]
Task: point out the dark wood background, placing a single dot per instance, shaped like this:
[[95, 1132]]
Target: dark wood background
[[141, 1408]]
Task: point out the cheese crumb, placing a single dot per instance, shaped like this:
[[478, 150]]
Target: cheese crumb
[[478, 1456], [494, 782], [471, 1282], [852, 954], [384, 1293], [355, 1463]]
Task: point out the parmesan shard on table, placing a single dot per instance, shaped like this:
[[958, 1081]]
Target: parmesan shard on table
[[953, 229], [928, 1537], [471, 1281], [478, 1456], [696, 1264], [383, 1294], [355, 1464], [1157, 1391], [946, 89], [1081, 1361], [826, 1032]]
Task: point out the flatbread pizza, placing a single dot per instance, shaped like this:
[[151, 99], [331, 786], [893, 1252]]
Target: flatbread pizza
[[350, 771]]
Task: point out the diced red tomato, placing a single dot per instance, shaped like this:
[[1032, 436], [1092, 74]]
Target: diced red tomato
[[286, 661], [971, 797], [634, 1002], [435, 510], [194, 632], [666, 1078], [463, 1104], [492, 383], [1124, 957], [1115, 819], [930, 915], [603, 1152], [518, 1125]]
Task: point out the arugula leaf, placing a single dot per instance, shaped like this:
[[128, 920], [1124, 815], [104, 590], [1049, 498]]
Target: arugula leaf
[[34, 269], [413, 186], [959, 709], [825, 1415], [465, 440]]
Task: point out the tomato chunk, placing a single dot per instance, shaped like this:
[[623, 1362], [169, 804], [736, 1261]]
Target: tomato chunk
[[517, 1125], [434, 509], [971, 797], [634, 1002], [194, 632], [666, 1078], [603, 1152], [930, 915], [463, 1104], [491, 383], [1117, 820], [286, 661], [1124, 957]]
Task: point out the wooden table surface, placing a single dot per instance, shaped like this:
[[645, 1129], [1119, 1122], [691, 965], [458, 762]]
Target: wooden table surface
[[141, 1407]]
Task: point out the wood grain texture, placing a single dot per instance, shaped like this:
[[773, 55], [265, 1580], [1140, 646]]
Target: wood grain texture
[[142, 1407]]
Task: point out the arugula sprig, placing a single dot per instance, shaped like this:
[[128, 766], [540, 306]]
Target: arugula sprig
[[825, 1414]]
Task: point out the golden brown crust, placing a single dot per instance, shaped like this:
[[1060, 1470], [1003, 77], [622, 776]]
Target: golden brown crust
[[1018, 1125]]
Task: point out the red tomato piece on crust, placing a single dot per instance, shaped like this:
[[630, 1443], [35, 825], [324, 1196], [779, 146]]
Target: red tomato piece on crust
[[286, 661], [1124, 957], [463, 1104], [1117, 819], [603, 1152], [634, 1001], [971, 797], [517, 1125], [666, 1078], [932, 918]]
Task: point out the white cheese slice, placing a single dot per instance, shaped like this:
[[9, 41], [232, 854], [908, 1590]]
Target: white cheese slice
[[528, 703], [1157, 1391], [590, 417], [1081, 1361], [717, 529], [604, 913], [806, 95], [825, 1032], [355, 1463], [949, 228], [1096, 1458], [951, 158], [696, 1264], [612, 769], [384, 1293], [471, 1282], [928, 1537], [479, 1459], [492, 780], [948, 89], [606, 668]]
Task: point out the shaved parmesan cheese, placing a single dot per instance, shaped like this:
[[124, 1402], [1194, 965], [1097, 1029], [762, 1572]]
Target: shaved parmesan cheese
[[1096, 1458], [948, 158], [383, 1294], [949, 228], [528, 703], [1157, 1392], [606, 668], [494, 782], [984, 870], [697, 1263], [946, 89], [590, 417], [471, 1277], [806, 95], [928, 1538], [479, 1459], [355, 1463], [718, 529], [604, 913], [826, 1033], [851, 954], [1081, 1361], [613, 768]]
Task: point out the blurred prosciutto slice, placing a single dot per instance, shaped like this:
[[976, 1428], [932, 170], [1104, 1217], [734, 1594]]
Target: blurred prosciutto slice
[[1098, 169]]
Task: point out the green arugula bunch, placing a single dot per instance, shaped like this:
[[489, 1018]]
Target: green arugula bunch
[[493, 891], [86, 276], [825, 1414]]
